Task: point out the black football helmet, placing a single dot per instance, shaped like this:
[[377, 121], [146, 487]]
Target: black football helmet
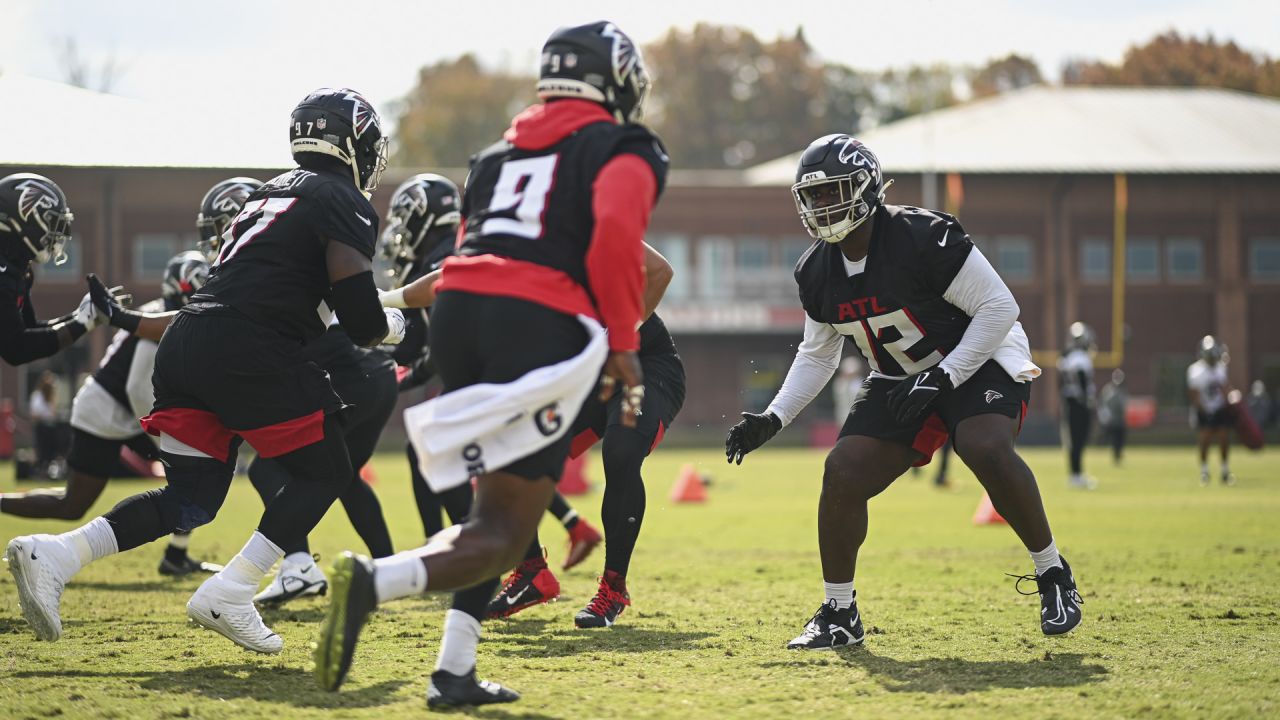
[[186, 273], [341, 124], [596, 62], [1081, 337], [218, 208], [422, 204], [35, 221], [1211, 350], [850, 166]]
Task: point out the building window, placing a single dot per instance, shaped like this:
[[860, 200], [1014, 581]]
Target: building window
[[1095, 260], [675, 248], [1142, 259], [715, 267], [68, 271], [1264, 259], [1014, 258], [793, 248], [1184, 259], [151, 253]]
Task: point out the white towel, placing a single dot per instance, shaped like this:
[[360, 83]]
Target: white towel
[[1014, 355], [487, 426]]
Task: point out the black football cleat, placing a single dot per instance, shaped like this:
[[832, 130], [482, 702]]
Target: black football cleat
[[448, 690], [353, 599], [604, 608], [1059, 600], [186, 566], [830, 628]]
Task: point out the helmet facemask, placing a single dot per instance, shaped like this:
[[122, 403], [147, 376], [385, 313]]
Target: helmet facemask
[[57, 231], [833, 222]]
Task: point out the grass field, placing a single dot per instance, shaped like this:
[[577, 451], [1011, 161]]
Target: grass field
[[1182, 613]]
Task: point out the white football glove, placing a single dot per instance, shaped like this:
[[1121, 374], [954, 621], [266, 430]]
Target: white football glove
[[395, 326], [87, 314]]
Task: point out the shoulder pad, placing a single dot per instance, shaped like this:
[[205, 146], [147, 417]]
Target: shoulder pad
[[805, 259], [499, 147], [640, 140]]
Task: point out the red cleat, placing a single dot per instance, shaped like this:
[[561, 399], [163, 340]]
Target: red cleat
[[610, 600], [531, 583], [583, 538]]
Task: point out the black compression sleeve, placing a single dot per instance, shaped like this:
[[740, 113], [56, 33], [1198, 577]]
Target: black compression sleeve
[[355, 299]]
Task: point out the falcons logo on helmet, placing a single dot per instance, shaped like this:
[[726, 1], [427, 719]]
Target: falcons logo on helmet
[[412, 200], [231, 198], [36, 197], [362, 113], [625, 57]]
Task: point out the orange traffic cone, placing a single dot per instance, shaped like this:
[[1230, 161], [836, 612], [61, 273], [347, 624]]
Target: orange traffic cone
[[573, 481], [986, 513], [368, 476], [688, 487]]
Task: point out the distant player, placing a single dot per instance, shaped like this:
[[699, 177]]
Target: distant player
[[104, 419], [232, 366], [554, 216], [1207, 388], [939, 330], [35, 225], [1075, 380]]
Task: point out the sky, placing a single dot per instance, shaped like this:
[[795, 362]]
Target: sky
[[262, 56]]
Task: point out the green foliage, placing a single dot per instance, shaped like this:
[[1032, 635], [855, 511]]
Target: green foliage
[[1181, 616]]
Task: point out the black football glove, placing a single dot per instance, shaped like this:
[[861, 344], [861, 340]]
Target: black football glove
[[910, 398], [750, 433], [111, 304]]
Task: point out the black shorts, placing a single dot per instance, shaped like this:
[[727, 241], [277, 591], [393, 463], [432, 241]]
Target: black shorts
[[491, 339], [1220, 418], [100, 457], [990, 390], [663, 397], [220, 376]]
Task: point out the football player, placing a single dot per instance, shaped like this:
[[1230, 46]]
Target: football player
[[1207, 388], [939, 330], [232, 367], [554, 218], [218, 208], [1075, 380], [623, 450], [35, 225], [422, 224], [104, 419]]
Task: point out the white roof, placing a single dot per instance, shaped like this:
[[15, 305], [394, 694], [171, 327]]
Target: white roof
[[1046, 129], [51, 124]]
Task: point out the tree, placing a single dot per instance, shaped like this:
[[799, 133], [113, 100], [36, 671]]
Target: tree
[[1005, 74], [724, 98], [1173, 60], [456, 109]]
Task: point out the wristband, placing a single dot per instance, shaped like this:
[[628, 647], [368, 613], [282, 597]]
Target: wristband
[[393, 298]]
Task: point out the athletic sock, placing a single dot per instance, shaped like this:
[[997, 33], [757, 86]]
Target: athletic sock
[[842, 593], [253, 561], [1204, 469], [1047, 558], [400, 575], [92, 541], [1226, 470], [458, 645], [176, 551], [571, 519]]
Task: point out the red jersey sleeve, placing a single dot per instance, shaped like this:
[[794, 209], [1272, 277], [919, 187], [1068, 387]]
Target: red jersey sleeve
[[622, 198]]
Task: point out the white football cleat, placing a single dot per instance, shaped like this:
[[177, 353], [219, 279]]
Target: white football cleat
[[294, 580], [227, 609], [41, 566]]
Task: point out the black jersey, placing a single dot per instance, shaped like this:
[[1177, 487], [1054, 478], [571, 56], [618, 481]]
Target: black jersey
[[273, 268], [22, 338], [894, 309], [535, 205]]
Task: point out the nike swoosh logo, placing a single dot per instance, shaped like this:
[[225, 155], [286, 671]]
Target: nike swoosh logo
[[4, 268], [215, 614], [363, 219], [1062, 615], [943, 241], [513, 599], [307, 569], [33, 555]]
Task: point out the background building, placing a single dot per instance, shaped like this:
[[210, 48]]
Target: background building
[[1035, 176]]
